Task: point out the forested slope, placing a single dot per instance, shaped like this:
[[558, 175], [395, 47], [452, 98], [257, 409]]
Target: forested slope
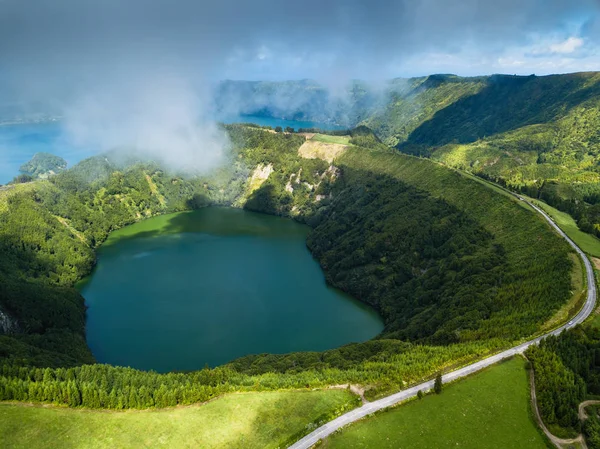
[[536, 134], [455, 269], [540, 135], [412, 102], [512, 274], [567, 372]]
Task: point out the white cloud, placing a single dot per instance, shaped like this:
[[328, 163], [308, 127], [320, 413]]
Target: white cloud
[[160, 116], [536, 57], [510, 62], [571, 45], [263, 53]]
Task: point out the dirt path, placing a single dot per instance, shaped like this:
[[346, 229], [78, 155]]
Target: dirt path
[[73, 231], [558, 442], [356, 389], [583, 405]]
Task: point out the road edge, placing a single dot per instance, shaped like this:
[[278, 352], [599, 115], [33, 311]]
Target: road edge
[[327, 429]]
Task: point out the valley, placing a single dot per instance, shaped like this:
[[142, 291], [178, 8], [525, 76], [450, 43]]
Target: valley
[[271, 225], [457, 269]]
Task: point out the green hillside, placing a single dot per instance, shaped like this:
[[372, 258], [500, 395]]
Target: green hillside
[[507, 103], [455, 269], [250, 420], [412, 102], [518, 237], [538, 135], [535, 134]]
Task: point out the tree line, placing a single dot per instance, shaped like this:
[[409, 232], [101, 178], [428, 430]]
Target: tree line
[[567, 372]]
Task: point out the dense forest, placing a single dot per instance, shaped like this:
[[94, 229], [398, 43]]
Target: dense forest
[[427, 267], [456, 270], [567, 372]]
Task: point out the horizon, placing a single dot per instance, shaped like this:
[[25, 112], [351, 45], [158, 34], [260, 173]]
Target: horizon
[[143, 74], [68, 46], [482, 75]]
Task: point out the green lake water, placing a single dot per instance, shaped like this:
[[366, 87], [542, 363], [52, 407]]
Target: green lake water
[[179, 291]]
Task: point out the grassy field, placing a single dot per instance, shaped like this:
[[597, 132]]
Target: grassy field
[[343, 140], [250, 420], [586, 242], [488, 410]]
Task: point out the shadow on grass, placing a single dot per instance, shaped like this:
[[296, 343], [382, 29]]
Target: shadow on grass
[[506, 103]]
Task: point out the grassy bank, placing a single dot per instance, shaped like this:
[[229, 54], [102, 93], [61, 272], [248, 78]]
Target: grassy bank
[[587, 242], [486, 411], [342, 140], [251, 420]]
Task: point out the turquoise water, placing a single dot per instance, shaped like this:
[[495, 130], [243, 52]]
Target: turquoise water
[[18, 143], [180, 291], [273, 122]]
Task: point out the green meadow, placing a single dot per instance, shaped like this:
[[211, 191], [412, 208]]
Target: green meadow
[[489, 410], [248, 420]]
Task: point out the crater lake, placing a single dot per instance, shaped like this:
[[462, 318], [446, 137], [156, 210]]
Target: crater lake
[[185, 290]]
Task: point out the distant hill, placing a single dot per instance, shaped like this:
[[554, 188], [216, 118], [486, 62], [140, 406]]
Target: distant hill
[[42, 165], [539, 135], [303, 100], [536, 134]]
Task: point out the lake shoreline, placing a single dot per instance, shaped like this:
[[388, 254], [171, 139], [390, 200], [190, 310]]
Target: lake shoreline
[[247, 272]]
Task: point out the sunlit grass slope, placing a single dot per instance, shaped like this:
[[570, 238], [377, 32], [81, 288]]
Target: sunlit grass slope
[[343, 140], [249, 420], [489, 410], [587, 242]]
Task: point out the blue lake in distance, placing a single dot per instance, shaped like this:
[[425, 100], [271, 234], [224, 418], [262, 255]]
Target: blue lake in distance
[[18, 143], [274, 122]]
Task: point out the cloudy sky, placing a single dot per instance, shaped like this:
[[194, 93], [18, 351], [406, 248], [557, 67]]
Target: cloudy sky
[[138, 73], [66, 42]]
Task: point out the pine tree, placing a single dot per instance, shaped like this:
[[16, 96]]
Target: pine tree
[[73, 394], [437, 385], [48, 377], [112, 399]]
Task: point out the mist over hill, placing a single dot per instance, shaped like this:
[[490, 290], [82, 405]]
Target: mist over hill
[[536, 134], [304, 100], [151, 104]]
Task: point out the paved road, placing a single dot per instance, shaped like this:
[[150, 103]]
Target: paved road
[[371, 407]]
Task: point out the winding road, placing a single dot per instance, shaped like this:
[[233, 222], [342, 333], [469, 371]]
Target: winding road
[[371, 407]]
